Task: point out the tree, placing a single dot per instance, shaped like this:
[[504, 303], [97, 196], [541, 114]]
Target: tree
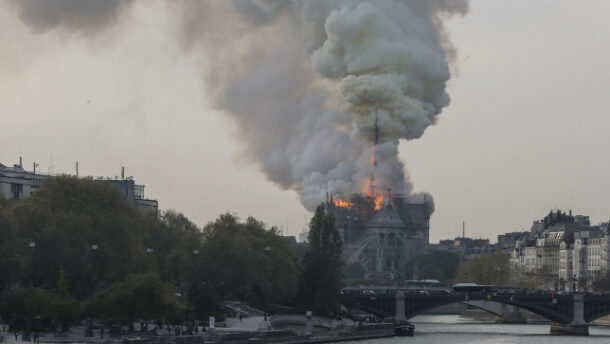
[[354, 273], [246, 261], [602, 282], [322, 275], [488, 268], [64, 218], [51, 307], [439, 265], [68, 216], [539, 278], [140, 296]]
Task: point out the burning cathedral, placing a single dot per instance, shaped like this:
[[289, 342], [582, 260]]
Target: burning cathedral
[[381, 235], [381, 232]]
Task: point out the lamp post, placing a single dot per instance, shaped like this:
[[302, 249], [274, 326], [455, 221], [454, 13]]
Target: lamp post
[[268, 282], [89, 330], [32, 246], [574, 280], [195, 288]]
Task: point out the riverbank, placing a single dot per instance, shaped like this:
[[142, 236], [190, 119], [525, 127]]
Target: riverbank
[[253, 330]]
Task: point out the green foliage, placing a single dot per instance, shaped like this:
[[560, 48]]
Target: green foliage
[[439, 265], [322, 274], [12, 264], [64, 218], [237, 265], [354, 273], [602, 283], [51, 307], [62, 274], [488, 268], [540, 278], [12, 308], [140, 296]]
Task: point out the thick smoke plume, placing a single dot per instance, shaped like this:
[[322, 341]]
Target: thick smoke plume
[[306, 81], [72, 17]]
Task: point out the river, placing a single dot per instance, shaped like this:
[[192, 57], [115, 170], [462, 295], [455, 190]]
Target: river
[[450, 329]]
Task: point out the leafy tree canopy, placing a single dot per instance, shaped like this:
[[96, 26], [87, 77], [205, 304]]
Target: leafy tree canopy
[[322, 274], [488, 268], [75, 240], [439, 265]]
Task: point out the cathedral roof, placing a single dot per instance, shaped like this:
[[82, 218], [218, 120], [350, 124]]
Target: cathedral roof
[[387, 216]]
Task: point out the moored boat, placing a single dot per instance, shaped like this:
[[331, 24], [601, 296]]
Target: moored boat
[[404, 329]]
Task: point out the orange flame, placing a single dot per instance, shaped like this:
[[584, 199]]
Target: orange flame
[[341, 203], [378, 201]]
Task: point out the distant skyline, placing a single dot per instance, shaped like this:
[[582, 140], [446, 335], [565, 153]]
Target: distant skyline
[[527, 129]]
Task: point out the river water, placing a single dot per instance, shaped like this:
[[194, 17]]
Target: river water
[[448, 329]]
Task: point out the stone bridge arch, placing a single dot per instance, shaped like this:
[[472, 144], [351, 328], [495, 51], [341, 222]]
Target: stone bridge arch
[[384, 305], [596, 306]]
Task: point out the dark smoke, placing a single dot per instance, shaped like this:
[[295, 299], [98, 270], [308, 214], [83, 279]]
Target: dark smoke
[[73, 17]]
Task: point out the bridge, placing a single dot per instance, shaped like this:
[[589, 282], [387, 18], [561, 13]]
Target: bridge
[[568, 313]]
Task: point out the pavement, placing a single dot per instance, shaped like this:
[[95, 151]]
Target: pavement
[[246, 324], [76, 334]]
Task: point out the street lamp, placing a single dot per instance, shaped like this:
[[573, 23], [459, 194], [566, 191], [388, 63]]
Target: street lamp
[[32, 246], [195, 288], [89, 329], [574, 283], [267, 253]]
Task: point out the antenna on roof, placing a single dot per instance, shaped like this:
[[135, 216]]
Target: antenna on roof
[[463, 229], [77, 169], [122, 172]]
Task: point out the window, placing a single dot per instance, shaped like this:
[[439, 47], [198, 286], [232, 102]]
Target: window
[[16, 191], [139, 191]]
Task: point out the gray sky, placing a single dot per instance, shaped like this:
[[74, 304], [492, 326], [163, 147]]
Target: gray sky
[[526, 130]]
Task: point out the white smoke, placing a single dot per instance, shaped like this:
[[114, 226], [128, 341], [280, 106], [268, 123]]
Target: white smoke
[[306, 81]]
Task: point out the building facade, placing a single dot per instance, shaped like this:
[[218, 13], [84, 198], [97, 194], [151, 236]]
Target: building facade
[[566, 249], [17, 183], [382, 237]]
